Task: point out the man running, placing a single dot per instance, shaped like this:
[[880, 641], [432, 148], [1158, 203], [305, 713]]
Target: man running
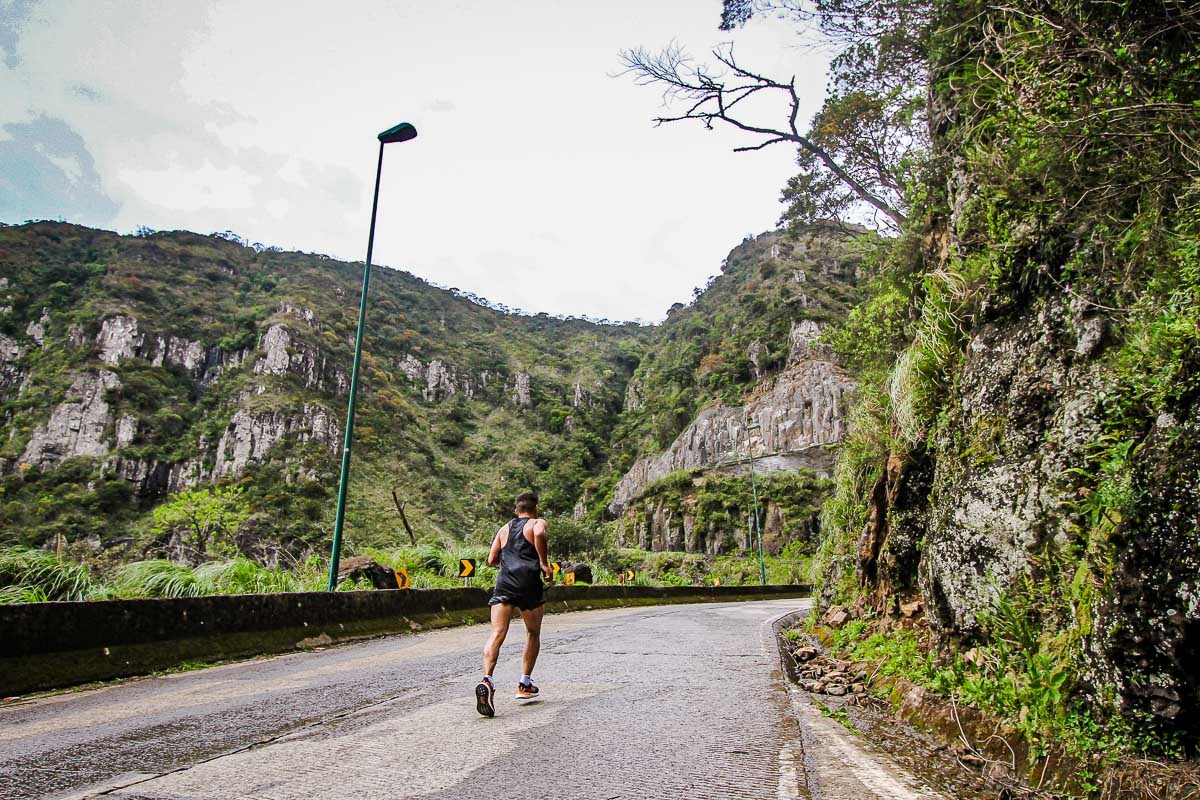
[[521, 550]]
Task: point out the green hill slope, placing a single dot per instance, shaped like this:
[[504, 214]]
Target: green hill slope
[[131, 367]]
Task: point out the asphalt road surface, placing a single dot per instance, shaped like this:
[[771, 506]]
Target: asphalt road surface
[[683, 702]]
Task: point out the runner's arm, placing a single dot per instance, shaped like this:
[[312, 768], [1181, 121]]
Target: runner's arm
[[541, 543], [494, 554]]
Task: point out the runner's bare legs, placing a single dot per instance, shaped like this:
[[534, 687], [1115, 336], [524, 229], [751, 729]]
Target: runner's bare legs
[[533, 636], [501, 617]]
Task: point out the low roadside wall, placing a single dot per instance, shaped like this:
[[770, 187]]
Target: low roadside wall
[[50, 645]]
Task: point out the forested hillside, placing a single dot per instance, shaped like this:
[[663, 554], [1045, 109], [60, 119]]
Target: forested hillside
[[137, 367], [740, 372]]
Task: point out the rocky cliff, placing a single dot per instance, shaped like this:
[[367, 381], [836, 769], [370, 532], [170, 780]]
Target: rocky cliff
[[779, 392], [1030, 478], [792, 422]]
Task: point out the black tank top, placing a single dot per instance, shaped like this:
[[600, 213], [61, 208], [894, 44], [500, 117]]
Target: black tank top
[[520, 567]]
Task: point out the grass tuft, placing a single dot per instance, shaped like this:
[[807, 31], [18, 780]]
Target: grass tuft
[[30, 573]]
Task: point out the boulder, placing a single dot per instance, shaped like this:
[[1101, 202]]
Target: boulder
[[583, 572], [805, 653], [381, 577], [836, 616]]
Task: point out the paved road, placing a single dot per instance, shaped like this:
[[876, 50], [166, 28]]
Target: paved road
[[664, 702]]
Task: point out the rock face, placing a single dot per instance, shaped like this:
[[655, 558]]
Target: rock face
[[83, 423], [521, 389], [1148, 637], [36, 330], [77, 426], [792, 416], [283, 353], [800, 415], [972, 518], [11, 373], [250, 436], [121, 338], [441, 381], [963, 522], [1020, 384]]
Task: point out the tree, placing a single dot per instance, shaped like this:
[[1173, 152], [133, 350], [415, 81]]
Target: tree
[[577, 539], [863, 150], [203, 521]]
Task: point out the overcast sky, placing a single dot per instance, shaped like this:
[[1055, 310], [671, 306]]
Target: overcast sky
[[537, 179]]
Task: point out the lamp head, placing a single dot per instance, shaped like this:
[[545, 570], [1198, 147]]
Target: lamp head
[[401, 133]]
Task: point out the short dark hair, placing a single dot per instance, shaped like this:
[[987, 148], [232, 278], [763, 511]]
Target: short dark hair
[[527, 503]]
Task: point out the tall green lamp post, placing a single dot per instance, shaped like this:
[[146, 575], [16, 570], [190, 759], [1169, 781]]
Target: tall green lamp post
[[400, 133], [757, 529]]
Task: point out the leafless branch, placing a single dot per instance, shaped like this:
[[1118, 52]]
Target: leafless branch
[[712, 96]]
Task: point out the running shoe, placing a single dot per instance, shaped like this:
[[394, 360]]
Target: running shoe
[[526, 691], [484, 693]]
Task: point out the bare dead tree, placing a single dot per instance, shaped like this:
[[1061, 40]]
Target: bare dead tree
[[711, 97]]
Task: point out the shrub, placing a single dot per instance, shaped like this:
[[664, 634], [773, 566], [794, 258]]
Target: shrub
[[571, 538], [30, 575], [243, 576], [157, 578]]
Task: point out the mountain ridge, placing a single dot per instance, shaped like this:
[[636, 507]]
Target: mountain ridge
[[132, 367]]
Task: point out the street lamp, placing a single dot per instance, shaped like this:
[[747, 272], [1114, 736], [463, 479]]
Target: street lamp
[[401, 133], [757, 529]]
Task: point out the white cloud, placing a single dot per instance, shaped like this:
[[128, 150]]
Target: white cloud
[[186, 189], [537, 180]]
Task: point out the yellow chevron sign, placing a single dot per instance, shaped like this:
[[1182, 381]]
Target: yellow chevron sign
[[569, 578], [555, 567], [401, 578], [466, 567]]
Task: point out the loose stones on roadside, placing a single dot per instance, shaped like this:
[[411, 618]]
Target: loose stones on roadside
[[805, 653], [836, 616], [824, 675]]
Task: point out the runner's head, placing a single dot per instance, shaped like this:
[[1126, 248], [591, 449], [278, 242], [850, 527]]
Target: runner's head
[[527, 503]]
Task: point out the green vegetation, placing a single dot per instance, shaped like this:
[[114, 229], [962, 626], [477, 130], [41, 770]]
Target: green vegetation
[[462, 405], [720, 507], [203, 521], [1020, 673], [441, 412], [841, 716], [28, 575], [1052, 217]]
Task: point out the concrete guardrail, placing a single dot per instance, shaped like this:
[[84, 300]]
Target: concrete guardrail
[[50, 645]]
